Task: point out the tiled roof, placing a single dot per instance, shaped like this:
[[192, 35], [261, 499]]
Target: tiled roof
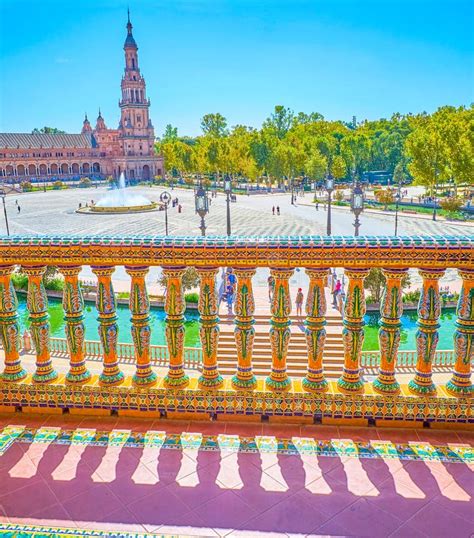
[[37, 141]]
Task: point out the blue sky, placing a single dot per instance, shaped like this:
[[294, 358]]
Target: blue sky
[[341, 58]]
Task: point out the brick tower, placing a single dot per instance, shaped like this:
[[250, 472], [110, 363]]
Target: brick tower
[[136, 133]]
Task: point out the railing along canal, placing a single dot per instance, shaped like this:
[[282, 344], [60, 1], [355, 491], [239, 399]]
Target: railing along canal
[[394, 255]]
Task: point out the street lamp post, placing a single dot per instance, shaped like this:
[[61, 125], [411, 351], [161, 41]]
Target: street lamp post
[[397, 201], [357, 205], [228, 192], [329, 188], [165, 199], [202, 206], [5, 213]]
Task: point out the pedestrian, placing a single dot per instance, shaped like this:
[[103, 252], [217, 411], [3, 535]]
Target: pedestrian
[[19, 209], [273, 210], [316, 205], [231, 279], [271, 287], [230, 297], [299, 302], [336, 292], [278, 210], [179, 208]]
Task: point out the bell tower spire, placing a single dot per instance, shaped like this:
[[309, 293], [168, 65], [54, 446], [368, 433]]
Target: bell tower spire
[[136, 129]]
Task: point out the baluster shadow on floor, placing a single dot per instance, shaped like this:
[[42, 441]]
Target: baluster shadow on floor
[[216, 492]]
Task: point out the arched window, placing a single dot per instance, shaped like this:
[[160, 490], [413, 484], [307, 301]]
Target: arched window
[[133, 63], [86, 168], [54, 169], [146, 172], [31, 170], [20, 170], [43, 170], [96, 167], [75, 168]]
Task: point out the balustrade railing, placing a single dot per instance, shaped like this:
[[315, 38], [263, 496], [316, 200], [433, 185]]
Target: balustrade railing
[[126, 352], [394, 255], [407, 359]]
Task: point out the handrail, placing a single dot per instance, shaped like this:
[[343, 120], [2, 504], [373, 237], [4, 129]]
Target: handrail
[[159, 355], [274, 251], [408, 358]]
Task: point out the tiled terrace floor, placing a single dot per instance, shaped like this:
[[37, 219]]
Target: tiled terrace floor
[[264, 488]]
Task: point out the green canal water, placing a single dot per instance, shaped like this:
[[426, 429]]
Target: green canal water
[[157, 322], [409, 328]]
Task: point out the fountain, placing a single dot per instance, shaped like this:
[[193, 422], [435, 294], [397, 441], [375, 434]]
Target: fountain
[[119, 200]]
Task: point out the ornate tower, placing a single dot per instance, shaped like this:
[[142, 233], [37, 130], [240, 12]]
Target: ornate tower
[[100, 125], [86, 126], [136, 131]]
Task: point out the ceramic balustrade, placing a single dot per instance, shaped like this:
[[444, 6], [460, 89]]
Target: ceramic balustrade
[[177, 359]]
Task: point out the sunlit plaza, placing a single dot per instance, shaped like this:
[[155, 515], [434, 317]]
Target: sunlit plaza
[[254, 322]]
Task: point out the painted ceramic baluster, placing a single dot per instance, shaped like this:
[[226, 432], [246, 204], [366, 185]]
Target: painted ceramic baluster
[[209, 330], [280, 329], [429, 310], [9, 327], [389, 333], [460, 384], [73, 305], [139, 305], [175, 308], [244, 332], [315, 331], [353, 331], [37, 303], [108, 328]]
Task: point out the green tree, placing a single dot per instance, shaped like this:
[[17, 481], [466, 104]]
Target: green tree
[[399, 174], [375, 283], [47, 130], [214, 125], [190, 279], [427, 151], [338, 167], [316, 166], [279, 122], [171, 133]]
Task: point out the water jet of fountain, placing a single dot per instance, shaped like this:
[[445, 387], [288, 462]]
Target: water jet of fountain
[[121, 198]]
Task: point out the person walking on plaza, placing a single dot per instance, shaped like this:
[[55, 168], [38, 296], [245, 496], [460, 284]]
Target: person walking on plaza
[[278, 210], [273, 210], [19, 208], [316, 205], [230, 297], [336, 292], [271, 287], [299, 302]]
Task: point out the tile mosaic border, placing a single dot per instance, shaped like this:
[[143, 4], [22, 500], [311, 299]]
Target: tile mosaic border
[[413, 451]]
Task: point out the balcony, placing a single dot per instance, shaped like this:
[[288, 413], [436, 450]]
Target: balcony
[[178, 382]]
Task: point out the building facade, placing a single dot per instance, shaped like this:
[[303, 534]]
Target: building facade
[[97, 151]]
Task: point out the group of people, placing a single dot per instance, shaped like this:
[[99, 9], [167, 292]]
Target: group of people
[[86, 204], [277, 210], [17, 206]]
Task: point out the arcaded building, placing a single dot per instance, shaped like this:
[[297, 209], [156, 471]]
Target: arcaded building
[[97, 151]]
